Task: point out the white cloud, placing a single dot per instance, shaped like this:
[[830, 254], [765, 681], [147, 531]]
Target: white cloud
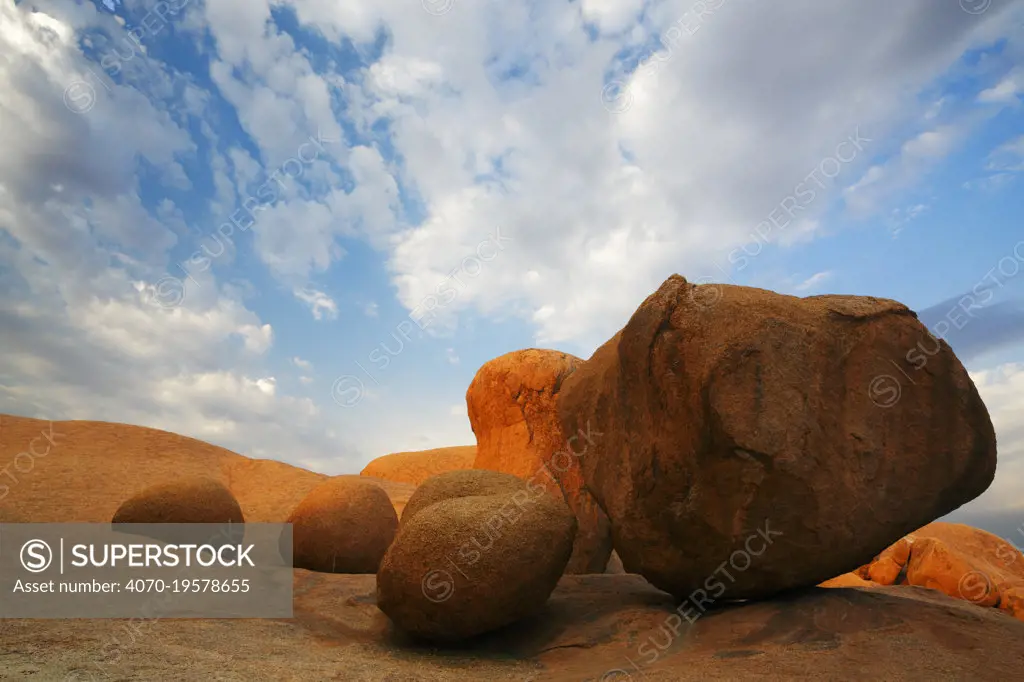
[[597, 207], [1007, 157], [707, 148], [453, 357], [95, 321], [370, 309], [611, 16], [302, 364], [1002, 389], [322, 305], [813, 281], [1005, 91], [1004, 163]]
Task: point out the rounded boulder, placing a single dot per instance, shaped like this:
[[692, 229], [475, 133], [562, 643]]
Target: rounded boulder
[[467, 565], [772, 437], [201, 500], [344, 525], [188, 501]]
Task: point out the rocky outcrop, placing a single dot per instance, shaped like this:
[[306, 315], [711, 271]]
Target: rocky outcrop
[[597, 627], [958, 560]]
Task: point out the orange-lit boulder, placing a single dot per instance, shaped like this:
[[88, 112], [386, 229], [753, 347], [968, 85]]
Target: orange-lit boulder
[[345, 525], [887, 567], [967, 563], [848, 580], [746, 426], [512, 405]]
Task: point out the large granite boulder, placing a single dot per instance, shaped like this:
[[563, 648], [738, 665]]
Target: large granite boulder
[[512, 405], [469, 564], [344, 525], [752, 442]]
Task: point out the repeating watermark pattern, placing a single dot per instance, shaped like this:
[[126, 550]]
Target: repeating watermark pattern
[[975, 6], [169, 290], [25, 461], [437, 7], [784, 214], [348, 389], [617, 95], [438, 585], [977, 586], [715, 587], [802, 196], [885, 390], [159, 603], [80, 95]]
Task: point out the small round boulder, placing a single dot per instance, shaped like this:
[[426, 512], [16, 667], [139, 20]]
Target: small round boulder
[[344, 525], [200, 500], [472, 564], [187, 501]]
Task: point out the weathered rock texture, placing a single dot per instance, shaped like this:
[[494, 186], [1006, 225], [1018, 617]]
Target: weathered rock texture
[[467, 565], [416, 467], [465, 483], [344, 525], [743, 415], [595, 627], [193, 500], [512, 404]]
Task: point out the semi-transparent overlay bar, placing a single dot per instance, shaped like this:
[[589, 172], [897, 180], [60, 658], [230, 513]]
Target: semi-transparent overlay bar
[[136, 570]]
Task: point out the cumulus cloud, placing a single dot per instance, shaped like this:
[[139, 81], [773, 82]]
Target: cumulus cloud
[[478, 150], [92, 325], [1002, 389]]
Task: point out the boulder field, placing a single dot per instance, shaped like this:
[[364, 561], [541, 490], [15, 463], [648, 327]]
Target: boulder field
[[756, 475]]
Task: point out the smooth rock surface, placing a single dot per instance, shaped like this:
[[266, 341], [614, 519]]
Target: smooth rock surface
[[88, 468], [593, 629], [417, 466], [465, 483]]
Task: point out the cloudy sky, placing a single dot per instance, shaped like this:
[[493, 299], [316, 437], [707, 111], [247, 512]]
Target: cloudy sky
[[296, 228]]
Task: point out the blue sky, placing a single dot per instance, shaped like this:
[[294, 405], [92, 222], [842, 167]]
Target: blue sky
[[561, 159]]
